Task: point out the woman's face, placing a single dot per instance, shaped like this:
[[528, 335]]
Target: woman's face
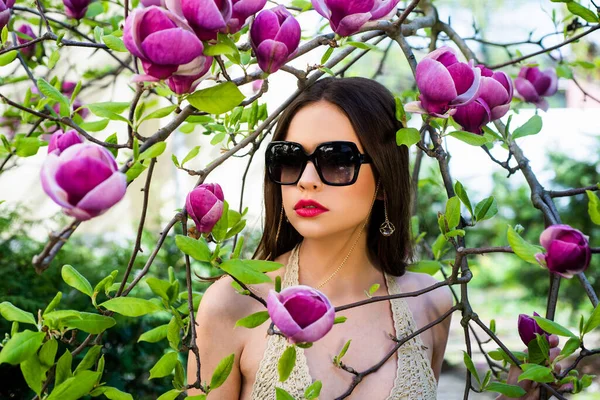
[[347, 206]]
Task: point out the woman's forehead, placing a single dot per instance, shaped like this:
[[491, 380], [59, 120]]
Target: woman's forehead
[[321, 122]]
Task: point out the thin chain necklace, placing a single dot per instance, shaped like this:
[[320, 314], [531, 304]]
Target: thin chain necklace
[[362, 228]]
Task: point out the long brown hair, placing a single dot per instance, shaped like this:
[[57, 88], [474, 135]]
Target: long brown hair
[[371, 109]]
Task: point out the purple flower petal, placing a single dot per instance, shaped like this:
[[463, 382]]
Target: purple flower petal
[[105, 195], [473, 117], [316, 330], [553, 87], [435, 82], [271, 55], [526, 90], [383, 8], [265, 26], [289, 34], [78, 177], [159, 49], [131, 38], [159, 71], [52, 189], [351, 24], [320, 6], [305, 309], [206, 15], [280, 315], [552, 232], [343, 8]]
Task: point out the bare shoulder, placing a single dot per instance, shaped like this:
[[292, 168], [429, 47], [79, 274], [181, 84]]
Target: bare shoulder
[[440, 299], [222, 301]]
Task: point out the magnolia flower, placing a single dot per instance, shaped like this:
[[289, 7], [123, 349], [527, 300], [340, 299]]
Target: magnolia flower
[[60, 141], [301, 313], [347, 17], [76, 8], [187, 81], [5, 6], [206, 17], [528, 327], [204, 204], [242, 9], [533, 85], [567, 250], [444, 83], [29, 50], [161, 40], [84, 180], [274, 36]]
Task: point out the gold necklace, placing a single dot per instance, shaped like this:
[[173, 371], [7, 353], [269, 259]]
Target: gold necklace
[[362, 228]]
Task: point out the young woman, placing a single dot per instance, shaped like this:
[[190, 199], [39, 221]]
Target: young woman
[[337, 199]]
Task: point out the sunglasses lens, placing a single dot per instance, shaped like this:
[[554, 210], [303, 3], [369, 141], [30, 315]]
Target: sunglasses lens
[[284, 162], [338, 163]]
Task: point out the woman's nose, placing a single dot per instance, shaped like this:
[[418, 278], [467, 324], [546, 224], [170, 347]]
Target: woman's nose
[[310, 179]]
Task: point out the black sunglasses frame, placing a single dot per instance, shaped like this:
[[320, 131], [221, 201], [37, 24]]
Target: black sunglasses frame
[[360, 159]]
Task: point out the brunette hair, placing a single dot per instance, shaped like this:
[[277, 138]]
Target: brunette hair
[[371, 109]]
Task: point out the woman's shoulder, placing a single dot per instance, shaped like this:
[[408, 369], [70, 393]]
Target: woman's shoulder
[[438, 300]]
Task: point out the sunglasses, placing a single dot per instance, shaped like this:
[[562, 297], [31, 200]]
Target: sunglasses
[[337, 163]]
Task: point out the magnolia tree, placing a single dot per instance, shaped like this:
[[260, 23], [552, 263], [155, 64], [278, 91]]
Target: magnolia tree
[[166, 48]]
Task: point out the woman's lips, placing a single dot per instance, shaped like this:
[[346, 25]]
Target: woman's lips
[[309, 212]]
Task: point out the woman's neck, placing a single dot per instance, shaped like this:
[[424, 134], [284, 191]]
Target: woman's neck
[[319, 259]]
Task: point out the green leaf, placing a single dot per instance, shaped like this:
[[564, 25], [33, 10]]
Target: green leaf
[[242, 272], [469, 138], [326, 55], [110, 110], [339, 320], [52, 93], [160, 113], [8, 57], [373, 289], [222, 371], [130, 306], [34, 373], [94, 126], [159, 287], [531, 127], [73, 278], [593, 207], [111, 393], [154, 335], [11, 313], [217, 99], [286, 363], [112, 139], [524, 250], [90, 322], [471, 367], [63, 368], [313, 391], [53, 59], [430, 267], [170, 395], [593, 322], [21, 346], [553, 327], [506, 389], [197, 249], [253, 320], [462, 195], [89, 360], [536, 373], [453, 212], [173, 333], [135, 171], [75, 387], [4, 34], [193, 153], [486, 209], [114, 43], [263, 266], [362, 45], [407, 137], [282, 394], [581, 11], [218, 50], [164, 366], [47, 353], [569, 348], [343, 352], [27, 146], [153, 151]]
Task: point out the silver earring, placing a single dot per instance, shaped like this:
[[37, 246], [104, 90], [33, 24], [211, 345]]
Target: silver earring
[[386, 228]]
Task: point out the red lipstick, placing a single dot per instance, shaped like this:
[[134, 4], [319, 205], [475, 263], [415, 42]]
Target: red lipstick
[[309, 208]]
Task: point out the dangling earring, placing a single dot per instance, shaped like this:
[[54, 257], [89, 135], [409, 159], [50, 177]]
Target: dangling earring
[[386, 228]]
